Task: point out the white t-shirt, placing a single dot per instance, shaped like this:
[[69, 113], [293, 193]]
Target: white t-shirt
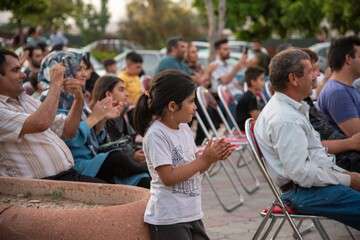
[[181, 202]]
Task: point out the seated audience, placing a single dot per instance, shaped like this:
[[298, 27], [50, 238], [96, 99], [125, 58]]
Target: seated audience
[[339, 100], [346, 149], [31, 84], [78, 66], [175, 59], [310, 181], [131, 76], [249, 104], [30, 131], [108, 102]]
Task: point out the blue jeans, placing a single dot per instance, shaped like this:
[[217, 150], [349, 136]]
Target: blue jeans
[[336, 202]]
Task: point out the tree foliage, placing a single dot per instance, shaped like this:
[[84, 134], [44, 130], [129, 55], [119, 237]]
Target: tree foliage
[[54, 13], [91, 23], [343, 15], [283, 18], [150, 22], [47, 13]]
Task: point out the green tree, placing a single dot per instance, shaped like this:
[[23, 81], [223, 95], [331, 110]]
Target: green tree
[[38, 12], [91, 23], [262, 19], [23, 10], [342, 15], [150, 22]]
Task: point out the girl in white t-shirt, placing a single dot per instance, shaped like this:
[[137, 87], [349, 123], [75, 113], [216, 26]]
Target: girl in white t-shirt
[[174, 208]]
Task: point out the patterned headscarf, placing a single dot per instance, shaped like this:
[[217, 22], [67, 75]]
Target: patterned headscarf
[[72, 61]]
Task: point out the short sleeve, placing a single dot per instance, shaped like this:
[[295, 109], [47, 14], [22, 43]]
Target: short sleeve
[[159, 150], [341, 106], [11, 124]]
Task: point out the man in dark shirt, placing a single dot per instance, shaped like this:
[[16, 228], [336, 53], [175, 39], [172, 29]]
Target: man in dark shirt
[[248, 105], [346, 149], [175, 59]]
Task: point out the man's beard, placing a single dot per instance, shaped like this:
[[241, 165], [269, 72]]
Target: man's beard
[[35, 64]]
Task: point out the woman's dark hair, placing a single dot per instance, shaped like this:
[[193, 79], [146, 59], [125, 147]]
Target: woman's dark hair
[[169, 85], [103, 84]]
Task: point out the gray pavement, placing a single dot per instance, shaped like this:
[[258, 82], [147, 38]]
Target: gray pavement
[[243, 222]]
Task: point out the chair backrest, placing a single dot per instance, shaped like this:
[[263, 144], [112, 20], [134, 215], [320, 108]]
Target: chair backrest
[[226, 96], [260, 160], [204, 103], [224, 93], [206, 99]]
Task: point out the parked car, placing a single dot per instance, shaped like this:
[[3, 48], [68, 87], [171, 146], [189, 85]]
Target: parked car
[[151, 60], [322, 50], [112, 44]]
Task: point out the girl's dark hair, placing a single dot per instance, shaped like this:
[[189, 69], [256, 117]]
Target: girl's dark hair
[[102, 85], [169, 85]]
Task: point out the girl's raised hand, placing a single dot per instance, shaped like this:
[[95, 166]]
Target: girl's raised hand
[[216, 150], [114, 111], [102, 107]]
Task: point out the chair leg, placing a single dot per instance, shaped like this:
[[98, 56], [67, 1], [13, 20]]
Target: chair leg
[[304, 231], [278, 229], [271, 225], [261, 226], [241, 181], [324, 235], [292, 224], [217, 195]]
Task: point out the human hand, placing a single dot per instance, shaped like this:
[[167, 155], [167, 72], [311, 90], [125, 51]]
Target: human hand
[[355, 142], [355, 180], [217, 150], [74, 87], [23, 57], [101, 108], [212, 67], [243, 62], [57, 75], [115, 110]]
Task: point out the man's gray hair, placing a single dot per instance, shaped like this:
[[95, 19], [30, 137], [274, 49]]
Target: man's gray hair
[[284, 63]]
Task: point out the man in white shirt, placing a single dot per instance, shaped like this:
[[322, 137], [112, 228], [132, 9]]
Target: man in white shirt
[[223, 72], [31, 133], [308, 177]]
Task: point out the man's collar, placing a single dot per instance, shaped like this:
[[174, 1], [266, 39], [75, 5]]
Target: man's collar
[[4, 98], [300, 106]]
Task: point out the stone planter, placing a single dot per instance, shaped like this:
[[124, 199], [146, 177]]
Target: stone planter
[[122, 220]]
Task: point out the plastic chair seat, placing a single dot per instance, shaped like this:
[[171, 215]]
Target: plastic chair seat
[[278, 210]]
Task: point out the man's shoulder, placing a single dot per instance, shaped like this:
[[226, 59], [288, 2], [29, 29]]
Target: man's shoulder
[[168, 60], [333, 86], [123, 75]]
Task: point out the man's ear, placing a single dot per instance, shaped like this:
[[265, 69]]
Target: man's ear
[[348, 59], [293, 79]]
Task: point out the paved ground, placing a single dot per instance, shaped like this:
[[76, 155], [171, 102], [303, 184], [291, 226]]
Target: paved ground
[[243, 222]]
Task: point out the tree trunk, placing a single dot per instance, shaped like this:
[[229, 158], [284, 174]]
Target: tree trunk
[[215, 24], [222, 12]]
